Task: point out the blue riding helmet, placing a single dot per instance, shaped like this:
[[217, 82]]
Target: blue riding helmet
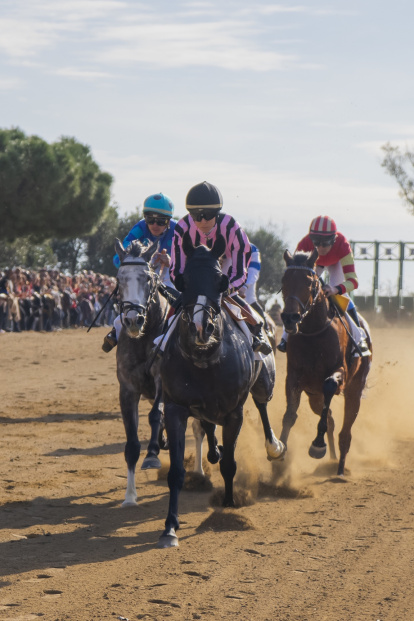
[[159, 203]]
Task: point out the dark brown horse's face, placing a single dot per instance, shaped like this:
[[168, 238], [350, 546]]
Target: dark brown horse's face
[[299, 288]]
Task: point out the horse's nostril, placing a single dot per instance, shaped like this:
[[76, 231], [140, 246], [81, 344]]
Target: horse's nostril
[[209, 329]]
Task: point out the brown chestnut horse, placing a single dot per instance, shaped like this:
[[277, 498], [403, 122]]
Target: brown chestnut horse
[[320, 357]]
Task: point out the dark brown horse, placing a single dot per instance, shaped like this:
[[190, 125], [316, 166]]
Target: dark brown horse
[[320, 357]]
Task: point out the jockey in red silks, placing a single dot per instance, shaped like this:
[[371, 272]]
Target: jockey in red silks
[[336, 257]]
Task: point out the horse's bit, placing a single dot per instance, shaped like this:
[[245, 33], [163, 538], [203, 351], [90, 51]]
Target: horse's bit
[[314, 295]]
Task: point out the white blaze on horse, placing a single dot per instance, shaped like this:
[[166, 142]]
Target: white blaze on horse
[[207, 370]]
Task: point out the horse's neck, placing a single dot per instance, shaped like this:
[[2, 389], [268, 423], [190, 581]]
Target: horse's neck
[[317, 317], [156, 313]]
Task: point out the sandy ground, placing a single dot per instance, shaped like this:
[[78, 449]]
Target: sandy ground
[[309, 547]]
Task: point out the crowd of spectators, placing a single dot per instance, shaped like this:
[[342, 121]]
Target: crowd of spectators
[[48, 300]]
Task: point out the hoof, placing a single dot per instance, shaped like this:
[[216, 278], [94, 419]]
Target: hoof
[[275, 449], [129, 503], [168, 539], [151, 462], [317, 452]]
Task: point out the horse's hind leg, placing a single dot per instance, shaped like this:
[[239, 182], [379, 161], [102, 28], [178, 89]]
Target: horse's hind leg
[[331, 386], [275, 448], [228, 465], [129, 407], [175, 425], [352, 393], [293, 394], [154, 418]]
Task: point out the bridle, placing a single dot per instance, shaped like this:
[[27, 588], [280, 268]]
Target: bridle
[[125, 306], [315, 292]]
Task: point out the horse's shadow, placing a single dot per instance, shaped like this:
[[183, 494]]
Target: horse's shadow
[[95, 536]]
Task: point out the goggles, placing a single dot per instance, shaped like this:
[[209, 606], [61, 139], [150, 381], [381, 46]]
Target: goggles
[[159, 220], [324, 242], [203, 214]]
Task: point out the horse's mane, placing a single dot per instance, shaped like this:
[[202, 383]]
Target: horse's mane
[[300, 257], [136, 248]]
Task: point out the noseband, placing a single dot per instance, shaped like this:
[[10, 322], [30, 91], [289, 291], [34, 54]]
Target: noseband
[[315, 292], [212, 312]]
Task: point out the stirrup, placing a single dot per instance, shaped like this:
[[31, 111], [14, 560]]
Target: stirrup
[[365, 350], [282, 346]]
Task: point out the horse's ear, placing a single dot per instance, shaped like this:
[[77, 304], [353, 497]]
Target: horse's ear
[[119, 249], [187, 245], [224, 283], [312, 259], [288, 257], [179, 282], [219, 247]]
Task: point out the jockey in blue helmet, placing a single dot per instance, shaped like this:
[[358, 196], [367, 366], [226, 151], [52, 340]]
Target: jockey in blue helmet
[[157, 225]]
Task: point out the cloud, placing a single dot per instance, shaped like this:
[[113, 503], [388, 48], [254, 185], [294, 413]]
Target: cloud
[[225, 44], [10, 84], [73, 72], [123, 34], [256, 195]]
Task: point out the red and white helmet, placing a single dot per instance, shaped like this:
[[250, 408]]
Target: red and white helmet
[[323, 226]]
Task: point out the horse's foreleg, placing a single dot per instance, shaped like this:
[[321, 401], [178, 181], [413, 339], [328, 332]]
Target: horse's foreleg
[[275, 448], [214, 451], [154, 418], [330, 387], [129, 407], [316, 402], [175, 424], [228, 465], [199, 434]]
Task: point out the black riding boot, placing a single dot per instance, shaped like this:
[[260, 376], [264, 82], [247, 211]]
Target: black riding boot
[[109, 341], [354, 316], [362, 345], [259, 343]]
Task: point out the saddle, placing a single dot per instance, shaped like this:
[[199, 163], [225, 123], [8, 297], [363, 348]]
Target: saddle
[[238, 312]]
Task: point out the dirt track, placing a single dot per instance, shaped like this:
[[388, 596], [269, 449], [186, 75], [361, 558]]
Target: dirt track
[[311, 548]]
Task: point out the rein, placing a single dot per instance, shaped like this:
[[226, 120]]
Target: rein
[[114, 292]]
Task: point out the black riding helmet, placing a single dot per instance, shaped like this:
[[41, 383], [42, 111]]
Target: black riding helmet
[[204, 200]]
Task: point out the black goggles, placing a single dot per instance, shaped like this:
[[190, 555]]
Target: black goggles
[[323, 241], [159, 220], [203, 214]]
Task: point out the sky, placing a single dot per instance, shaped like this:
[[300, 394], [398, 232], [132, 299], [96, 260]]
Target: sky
[[284, 106]]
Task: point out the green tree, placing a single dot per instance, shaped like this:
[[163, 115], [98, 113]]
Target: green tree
[[48, 190], [25, 254], [400, 165], [100, 244], [271, 248]]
